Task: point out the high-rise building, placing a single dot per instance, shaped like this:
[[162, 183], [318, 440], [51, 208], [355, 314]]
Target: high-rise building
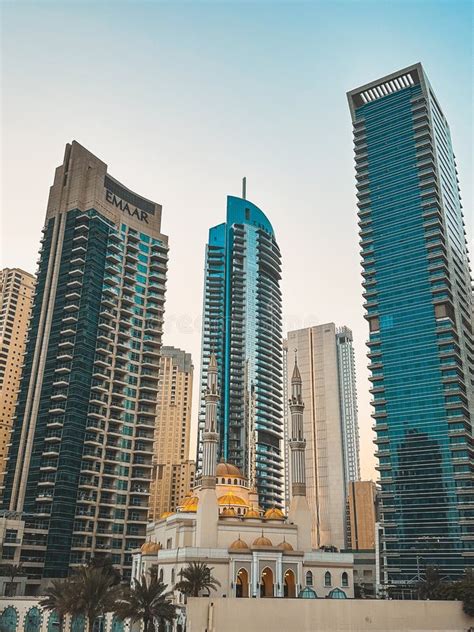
[[16, 293], [326, 362], [419, 309], [361, 515], [173, 471], [242, 325], [80, 462]]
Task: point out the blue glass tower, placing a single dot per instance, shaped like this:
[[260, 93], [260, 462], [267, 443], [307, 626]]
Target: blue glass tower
[[242, 325], [419, 308]]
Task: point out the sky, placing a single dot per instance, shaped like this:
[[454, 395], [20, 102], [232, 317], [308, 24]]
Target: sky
[[183, 99]]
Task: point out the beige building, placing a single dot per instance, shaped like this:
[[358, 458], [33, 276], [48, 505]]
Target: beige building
[[361, 505], [173, 472], [253, 553], [325, 463], [16, 296]]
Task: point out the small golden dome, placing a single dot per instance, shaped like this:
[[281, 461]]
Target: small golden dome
[[238, 544], [228, 512], [285, 546], [274, 514], [166, 514], [227, 469], [190, 504], [262, 541], [252, 513], [150, 547], [232, 499]]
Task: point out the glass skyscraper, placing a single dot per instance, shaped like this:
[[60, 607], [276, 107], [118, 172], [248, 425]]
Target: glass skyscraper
[[80, 462], [242, 326], [419, 308]]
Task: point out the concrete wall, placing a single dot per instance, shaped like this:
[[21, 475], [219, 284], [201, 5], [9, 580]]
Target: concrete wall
[[352, 615]]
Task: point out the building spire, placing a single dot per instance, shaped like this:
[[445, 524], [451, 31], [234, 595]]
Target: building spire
[[297, 441], [244, 188], [210, 435]]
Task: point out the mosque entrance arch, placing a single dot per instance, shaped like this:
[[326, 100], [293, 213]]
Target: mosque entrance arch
[[242, 583], [290, 584], [266, 583]]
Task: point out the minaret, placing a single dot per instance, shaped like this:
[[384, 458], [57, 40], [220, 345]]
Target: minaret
[[208, 511], [299, 512]]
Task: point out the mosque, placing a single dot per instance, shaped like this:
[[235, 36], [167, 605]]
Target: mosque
[[252, 553]]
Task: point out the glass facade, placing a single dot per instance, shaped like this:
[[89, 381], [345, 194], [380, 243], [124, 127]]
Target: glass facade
[[81, 457], [419, 308], [242, 325]]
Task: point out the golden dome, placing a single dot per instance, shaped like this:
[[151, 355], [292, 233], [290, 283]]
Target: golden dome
[[274, 514], [150, 547], [228, 512], [285, 546], [262, 541], [239, 544], [166, 514], [190, 504], [227, 469], [232, 499], [252, 513]]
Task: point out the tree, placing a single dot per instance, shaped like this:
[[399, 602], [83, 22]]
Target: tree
[[146, 601], [60, 596], [12, 571], [195, 578], [90, 591], [432, 585], [463, 590]]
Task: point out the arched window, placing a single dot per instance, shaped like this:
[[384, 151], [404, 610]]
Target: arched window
[[345, 579], [78, 623], [309, 578], [117, 625], [160, 576], [235, 481], [229, 481], [53, 622], [327, 578], [9, 619], [33, 620], [172, 575]]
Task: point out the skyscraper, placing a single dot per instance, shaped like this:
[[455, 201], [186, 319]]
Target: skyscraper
[[419, 309], [80, 464], [16, 293], [361, 509], [242, 325], [173, 472], [326, 363]]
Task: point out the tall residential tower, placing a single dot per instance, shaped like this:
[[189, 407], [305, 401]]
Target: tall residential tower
[[326, 364], [242, 325], [173, 472], [80, 463], [16, 296], [419, 309]]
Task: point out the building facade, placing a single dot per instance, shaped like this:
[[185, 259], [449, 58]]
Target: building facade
[[254, 553], [242, 325], [80, 462], [419, 309], [173, 471], [348, 403], [326, 361], [361, 514], [16, 295]]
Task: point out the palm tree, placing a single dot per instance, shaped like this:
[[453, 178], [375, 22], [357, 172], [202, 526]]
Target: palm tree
[[195, 578], [145, 601], [60, 596], [90, 591]]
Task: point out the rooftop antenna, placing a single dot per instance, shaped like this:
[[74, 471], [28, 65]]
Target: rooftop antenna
[[244, 188]]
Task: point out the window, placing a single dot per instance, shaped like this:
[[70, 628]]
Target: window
[[345, 579], [309, 578], [327, 578]]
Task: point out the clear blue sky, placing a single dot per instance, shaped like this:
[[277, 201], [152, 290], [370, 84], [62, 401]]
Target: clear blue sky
[[183, 99]]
